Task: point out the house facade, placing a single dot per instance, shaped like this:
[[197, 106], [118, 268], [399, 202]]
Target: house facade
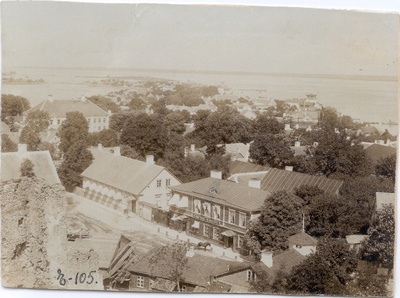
[[97, 118], [129, 186], [216, 210]]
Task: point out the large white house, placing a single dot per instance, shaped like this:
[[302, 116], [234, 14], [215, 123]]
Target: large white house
[[97, 118], [128, 185]]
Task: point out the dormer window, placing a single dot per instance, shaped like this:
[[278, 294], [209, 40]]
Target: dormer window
[[213, 191]]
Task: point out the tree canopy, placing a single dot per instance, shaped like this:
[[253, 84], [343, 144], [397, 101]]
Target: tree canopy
[[280, 218], [7, 145], [73, 130], [13, 105]]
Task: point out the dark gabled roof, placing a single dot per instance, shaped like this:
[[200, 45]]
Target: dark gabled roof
[[277, 179], [245, 167], [378, 151], [302, 239], [224, 192], [287, 260], [198, 271]]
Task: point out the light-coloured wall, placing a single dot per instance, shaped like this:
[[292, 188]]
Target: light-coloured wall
[[153, 194], [99, 125]]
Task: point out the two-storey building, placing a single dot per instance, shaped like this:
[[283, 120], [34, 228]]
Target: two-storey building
[[216, 210], [97, 118]]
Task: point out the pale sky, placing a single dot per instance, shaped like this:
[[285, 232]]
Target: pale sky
[[204, 38]]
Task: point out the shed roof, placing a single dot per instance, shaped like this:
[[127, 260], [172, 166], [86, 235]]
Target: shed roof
[[121, 172], [355, 239], [277, 179], [225, 192], [59, 108], [287, 260]]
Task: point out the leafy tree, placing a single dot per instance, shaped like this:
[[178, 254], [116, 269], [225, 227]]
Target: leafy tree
[[131, 153], [360, 193], [272, 150], [106, 137], [30, 137], [336, 154], [144, 134], [105, 103], [386, 167], [330, 216], [368, 284], [46, 146], [329, 119], [7, 145], [280, 218], [117, 120], [26, 168], [76, 160], [325, 272], [307, 193], [209, 91], [12, 105], [38, 120], [73, 130], [262, 284], [264, 125], [379, 246], [172, 258], [137, 103]]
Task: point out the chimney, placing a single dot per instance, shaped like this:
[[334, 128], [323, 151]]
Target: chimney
[[50, 98], [22, 148], [100, 147], [255, 183], [388, 142], [266, 258], [193, 147], [216, 174], [289, 168], [287, 126], [117, 151], [297, 144], [150, 159]]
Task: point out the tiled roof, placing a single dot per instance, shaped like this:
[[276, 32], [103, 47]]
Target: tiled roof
[[42, 162], [225, 192], [277, 179], [121, 172], [59, 108], [287, 260], [384, 198], [245, 167], [377, 151], [198, 271], [302, 239]]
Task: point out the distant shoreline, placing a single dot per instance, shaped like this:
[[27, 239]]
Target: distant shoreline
[[226, 73]]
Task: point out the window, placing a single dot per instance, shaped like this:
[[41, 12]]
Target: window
[[168, 182], [140, 282], [94, 120], [104, 120], [232, 214], [183, 288], [159, 183], [206, 209], [20, 221], [206, 231], [58, 121], [216, 214], [197, 208], [240, 242], [216, 234], [250, 275], [242, 219], [88, 120]]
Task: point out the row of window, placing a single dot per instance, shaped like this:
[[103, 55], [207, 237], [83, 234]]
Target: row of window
[[167, 182], [205, 209], [140, 283], [96, 120]]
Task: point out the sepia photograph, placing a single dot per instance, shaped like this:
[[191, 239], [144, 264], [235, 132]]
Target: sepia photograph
[[208, 149]]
